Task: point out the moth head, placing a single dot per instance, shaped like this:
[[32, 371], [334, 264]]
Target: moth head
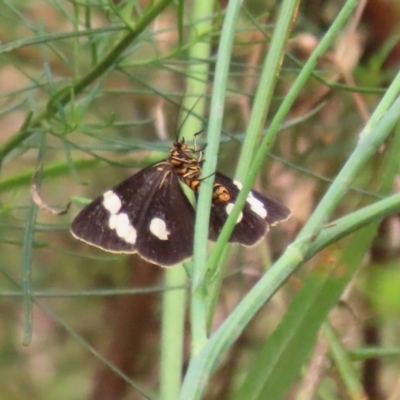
[[221, 194]]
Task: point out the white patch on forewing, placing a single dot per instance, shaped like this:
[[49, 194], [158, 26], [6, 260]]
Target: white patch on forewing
[[111, 202], [118, 221], [238, 184], [123, 228], [257, 206], [159, 229], [229, 208]]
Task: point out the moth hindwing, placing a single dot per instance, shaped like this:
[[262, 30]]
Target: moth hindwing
[[148, 213], [259, 212]]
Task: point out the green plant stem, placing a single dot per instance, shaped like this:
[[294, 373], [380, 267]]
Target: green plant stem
[[348, 224], [293, 257], [211, 153], [201, 367], [258, 116], [347, 372], [277, 121], [173, 321], [199, 291], [364, 353], [27, 254], [278, 364], [65, 95], [27, 250], [196, 86], [51, 171], [266, 85]]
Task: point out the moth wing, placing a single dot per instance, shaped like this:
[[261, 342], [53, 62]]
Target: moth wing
[[120, 220], [258, 213], [167, 225]]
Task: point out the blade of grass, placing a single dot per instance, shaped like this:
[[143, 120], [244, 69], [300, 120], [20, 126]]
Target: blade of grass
[[277, 364]]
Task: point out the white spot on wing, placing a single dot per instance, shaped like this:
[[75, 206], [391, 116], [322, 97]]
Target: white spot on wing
[[229, 208], [111, 202], [159, 229], [112, 222], [257, 206], [121, 225], [131, 235], [238, 184], [124, 229]]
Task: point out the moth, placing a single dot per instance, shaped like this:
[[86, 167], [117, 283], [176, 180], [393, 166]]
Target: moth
[[149, 213]]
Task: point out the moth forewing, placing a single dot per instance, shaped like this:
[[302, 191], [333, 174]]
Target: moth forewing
[[147, 213]]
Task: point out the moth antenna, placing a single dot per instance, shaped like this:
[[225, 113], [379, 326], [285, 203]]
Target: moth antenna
[[195, 150]]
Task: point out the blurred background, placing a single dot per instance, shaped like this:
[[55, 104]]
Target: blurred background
[[88, 301]]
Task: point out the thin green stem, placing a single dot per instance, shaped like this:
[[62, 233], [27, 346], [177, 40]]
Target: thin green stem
[[196, 84], [202, 366], [259, 113], [211, 153], [280, 271], [343, 363], [173, 322], [266, 85], [66, 94], [277, 121]]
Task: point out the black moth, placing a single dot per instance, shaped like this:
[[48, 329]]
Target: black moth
[[149, 213]]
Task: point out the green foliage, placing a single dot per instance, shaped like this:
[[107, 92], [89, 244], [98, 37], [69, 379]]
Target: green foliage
[[91, 87]]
